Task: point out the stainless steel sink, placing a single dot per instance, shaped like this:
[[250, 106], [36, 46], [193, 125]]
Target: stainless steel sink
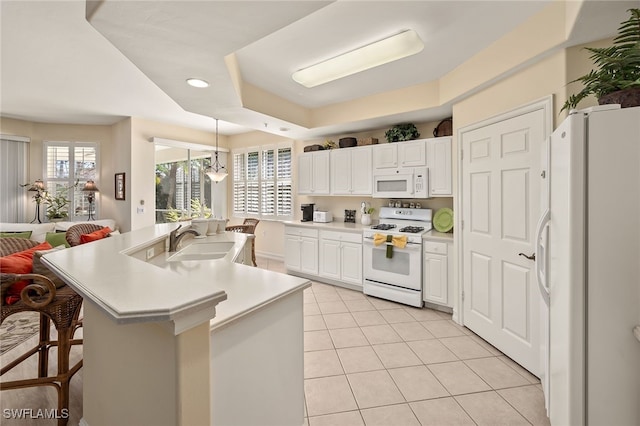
[[202, 251]]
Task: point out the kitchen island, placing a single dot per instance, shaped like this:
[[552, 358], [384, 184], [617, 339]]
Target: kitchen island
[[187, 342]]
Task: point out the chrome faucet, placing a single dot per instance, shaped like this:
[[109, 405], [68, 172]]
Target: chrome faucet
[[174, 237]]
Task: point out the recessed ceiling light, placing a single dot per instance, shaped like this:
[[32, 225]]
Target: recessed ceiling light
[[196, 82], [387, 50]]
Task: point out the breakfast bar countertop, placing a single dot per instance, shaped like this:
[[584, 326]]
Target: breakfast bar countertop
[[187, 293]]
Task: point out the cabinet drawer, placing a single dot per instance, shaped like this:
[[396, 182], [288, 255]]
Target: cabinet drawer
[[348, 237], [301, 232], [434, 247]]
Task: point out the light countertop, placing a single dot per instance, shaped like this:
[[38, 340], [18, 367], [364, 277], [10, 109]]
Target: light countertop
[[188, 292], [358, 227], [334, 226]]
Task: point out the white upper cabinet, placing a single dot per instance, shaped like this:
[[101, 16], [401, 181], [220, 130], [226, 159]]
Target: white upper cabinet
[[385, 156], [400, 154], [439, 162], [412, 153], [351, 171], [313, 173]]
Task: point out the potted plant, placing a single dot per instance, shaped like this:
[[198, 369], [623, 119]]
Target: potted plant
[[58, 203], [617, 77], [402, 132]]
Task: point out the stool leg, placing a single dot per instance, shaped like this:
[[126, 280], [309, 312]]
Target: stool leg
[[43, 352], [64, 347]]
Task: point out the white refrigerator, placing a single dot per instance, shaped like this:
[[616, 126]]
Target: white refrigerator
[[588, 268]]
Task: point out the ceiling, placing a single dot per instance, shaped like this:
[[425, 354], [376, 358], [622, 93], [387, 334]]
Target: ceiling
[[131, 58]]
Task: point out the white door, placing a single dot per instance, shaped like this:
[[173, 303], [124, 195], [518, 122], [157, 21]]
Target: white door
[[501, 186]]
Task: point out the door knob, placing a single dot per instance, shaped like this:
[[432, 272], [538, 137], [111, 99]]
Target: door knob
[[531, 257]]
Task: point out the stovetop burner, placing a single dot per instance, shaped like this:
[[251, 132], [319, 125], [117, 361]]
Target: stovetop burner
[[383, 226], [412, 229]]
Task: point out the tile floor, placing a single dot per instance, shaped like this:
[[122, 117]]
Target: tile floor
[[374, 362], [369, 362]]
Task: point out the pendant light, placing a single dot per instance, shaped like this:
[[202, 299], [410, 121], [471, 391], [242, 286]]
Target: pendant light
[[216, 172]]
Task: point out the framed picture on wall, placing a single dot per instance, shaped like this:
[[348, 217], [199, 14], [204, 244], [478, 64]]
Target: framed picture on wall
[[120, 186]]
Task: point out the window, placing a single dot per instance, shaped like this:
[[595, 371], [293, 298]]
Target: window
[[66, 163], [182, 188], [262, 182]]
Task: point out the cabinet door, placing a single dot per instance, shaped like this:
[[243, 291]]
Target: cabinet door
[[412, 154], [330, 259], [305, 173], [320, 173], [385, 156], [435, 279], [440, 167], [309, 256], [351, 263], [361, 171], [292, 255], [341, 171]]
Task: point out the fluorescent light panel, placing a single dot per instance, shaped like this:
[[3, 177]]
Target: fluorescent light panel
[[381, 52]]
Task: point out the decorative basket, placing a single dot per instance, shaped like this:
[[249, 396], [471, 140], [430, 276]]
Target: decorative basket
[[367, 141], [347, 142], [315, 147], [444, 128]]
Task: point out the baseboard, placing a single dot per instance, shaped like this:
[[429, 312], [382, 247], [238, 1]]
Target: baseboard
[[271, 256]]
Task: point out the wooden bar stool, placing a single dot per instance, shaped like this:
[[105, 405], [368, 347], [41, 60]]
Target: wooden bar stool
[[58, 305]]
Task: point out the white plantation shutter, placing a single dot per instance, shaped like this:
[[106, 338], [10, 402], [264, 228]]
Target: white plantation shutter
[[268, 193], [239, 184], [284, 178], [263, 182]]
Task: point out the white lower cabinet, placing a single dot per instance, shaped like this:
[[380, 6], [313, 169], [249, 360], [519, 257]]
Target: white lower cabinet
[[341, 256], [301, 249], [436, 273], [331, 256]]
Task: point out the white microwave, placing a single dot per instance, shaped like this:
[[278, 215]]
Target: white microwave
[[407, 182]]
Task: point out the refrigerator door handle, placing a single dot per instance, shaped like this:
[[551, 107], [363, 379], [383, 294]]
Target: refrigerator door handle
[[541, 256]]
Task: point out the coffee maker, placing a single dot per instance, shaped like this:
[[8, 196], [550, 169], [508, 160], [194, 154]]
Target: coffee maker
[[307, 212]]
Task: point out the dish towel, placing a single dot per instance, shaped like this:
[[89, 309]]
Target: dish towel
[[398, 241]]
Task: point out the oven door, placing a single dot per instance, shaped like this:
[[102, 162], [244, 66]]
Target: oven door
[[397, 185], [404, 269]]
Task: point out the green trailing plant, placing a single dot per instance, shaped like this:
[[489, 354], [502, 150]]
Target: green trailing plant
[[371, 210], [402, 132], [618, 66]]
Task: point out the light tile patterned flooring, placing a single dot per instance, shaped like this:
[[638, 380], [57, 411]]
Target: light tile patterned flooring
[[370, 362], [374, 362]]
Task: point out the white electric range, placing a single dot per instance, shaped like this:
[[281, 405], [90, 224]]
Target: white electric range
[[399, 277]]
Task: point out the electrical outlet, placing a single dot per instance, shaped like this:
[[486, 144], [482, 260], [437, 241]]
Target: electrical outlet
[[150, 252], [140, 210]]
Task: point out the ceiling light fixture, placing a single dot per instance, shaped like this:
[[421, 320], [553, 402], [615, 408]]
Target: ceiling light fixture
[[216, 172], [381, 52], [196, 82]]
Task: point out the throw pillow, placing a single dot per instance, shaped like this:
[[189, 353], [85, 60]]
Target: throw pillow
[[23, 234], [57, 239], [18, 263], [95, 236], [40, 268]]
